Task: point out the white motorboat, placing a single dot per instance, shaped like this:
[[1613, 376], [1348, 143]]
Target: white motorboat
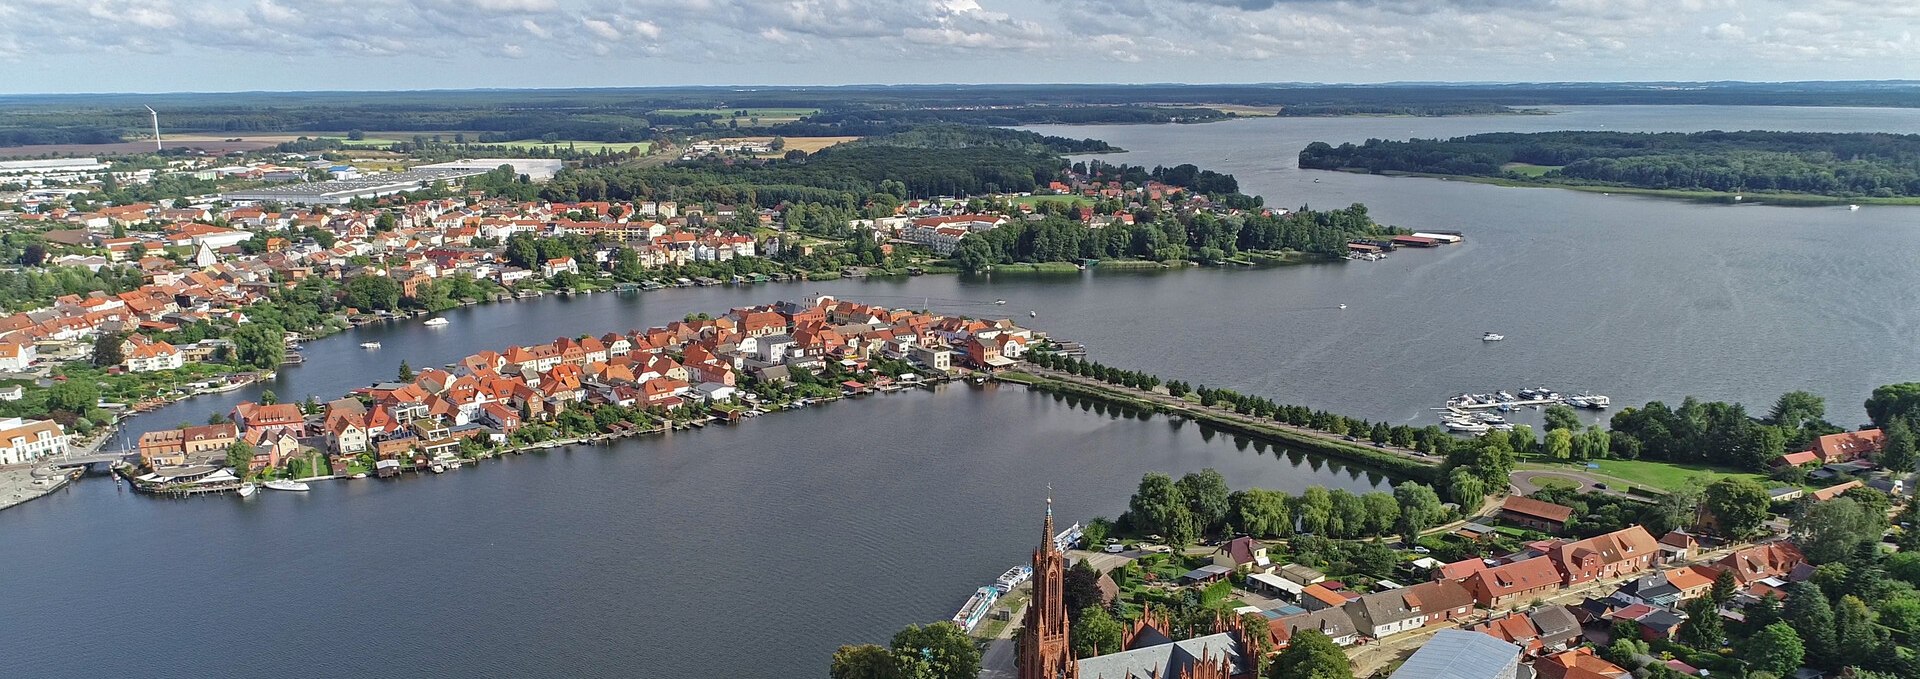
[[285, 484], [436, 322], [1343, 306], [369, 345], [1033, 314], [1000, 302], [1851, 208], [358, 475], [1492, 337], [1466, 426], [248, 489], [438, 468]]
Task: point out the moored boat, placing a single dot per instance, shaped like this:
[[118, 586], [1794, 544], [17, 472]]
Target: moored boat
[[1492, 337], [289, 485], [248, 489], [436, 322], [369, 345]]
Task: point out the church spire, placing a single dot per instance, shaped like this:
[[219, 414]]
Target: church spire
[[1046, 540]]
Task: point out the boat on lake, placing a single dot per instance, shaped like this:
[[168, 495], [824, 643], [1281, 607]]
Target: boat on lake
[[436, 322], [369, 345], [287, 484], [248, 489], [1492, 337]]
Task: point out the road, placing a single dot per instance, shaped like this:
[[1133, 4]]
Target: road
[[1526, 481]]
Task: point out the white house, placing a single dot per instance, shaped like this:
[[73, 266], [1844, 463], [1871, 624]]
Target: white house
[[15, 356], [29, 440]]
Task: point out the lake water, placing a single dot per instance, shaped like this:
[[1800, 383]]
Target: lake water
[[754, 550]]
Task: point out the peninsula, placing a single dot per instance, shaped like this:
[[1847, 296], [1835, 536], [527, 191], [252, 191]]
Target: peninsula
[[1775, 167]]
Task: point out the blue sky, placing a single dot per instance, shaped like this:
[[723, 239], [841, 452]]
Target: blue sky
[[224, 45]]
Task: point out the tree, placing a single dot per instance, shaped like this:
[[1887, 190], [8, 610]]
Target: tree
[[1559, 445], [405, 373], [1830, 531], [1811, 616], [109, 349], [1464, 487], [1702, 629], [1855, 630], [240, 456], [1095, 633], [1796, 409], [1776, 648], [1080, 588], [267, 397], [261, 345], [1419, 509], [1900, 453], [369, 292], [1561, 416], [1311, 655], [73, 396], [1260, 512], [937, 651], [1206, 494], [1892, 402], [1677, 509], [1739, 504], [1157, 505], [1724, 587], [866, 661], [1314, 509]]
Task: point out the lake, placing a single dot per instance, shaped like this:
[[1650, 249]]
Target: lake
[[846, 522]]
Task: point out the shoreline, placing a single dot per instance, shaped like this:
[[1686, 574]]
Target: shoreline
[[1716, 197]]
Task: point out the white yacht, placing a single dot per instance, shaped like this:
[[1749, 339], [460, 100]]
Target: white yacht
[[1851, 208], [369, 345], [1492, 337], [436, 322], [285, 484], [248, 489], [1467, 426]]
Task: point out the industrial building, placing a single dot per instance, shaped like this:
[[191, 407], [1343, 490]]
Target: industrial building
[[536, 169], [343, 191]]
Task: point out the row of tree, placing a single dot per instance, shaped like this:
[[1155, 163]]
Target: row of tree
[[1199, 505]]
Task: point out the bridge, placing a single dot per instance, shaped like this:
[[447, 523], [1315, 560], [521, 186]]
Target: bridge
[[69, 461]]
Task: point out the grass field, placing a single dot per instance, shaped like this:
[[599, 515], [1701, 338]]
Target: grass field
[[583, 146], [1057, 198], [1656, 474], [1529, 170]]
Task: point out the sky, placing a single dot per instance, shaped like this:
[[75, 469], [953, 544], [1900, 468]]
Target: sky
[[230, 45]]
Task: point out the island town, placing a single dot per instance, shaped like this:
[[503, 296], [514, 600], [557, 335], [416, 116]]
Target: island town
[[1496, 555]]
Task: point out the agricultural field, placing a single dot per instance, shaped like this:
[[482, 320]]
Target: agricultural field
[[582, 146]]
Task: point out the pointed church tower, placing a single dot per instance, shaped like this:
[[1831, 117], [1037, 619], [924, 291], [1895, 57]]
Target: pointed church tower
[[1044, 650]]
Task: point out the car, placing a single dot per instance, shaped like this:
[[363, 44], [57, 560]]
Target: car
[[1113, 541], [1600, 486], [1421, 550], [1116, 549], [1141, 546]]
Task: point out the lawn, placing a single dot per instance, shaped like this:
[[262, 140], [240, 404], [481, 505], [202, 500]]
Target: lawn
[[584, 146], [1529, 169], [1072, 199], [1657, 474]]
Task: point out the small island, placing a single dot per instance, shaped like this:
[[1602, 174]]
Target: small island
[[1776, 167]]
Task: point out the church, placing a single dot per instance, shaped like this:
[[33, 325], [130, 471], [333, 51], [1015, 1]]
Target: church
[[1149, 650]]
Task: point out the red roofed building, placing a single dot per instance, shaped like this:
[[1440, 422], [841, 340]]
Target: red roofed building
[[1621, 552], [1579, 663], [1535, 514], [1513, 583], [1772, 560], [1848, 446]]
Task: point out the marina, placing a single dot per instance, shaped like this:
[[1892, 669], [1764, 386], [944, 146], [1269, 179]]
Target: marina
[[1469, 413]]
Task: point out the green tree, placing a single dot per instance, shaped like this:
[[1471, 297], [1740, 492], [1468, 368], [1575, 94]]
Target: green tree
[[1702, 629], [1892, 402], [1157, 505], [1739, 504], [1811, 616], [1830, 531], [108, 349], [1561, 416], [1314, 509], [1206, 494], [1724, 587], [1796, 409], [1311, 655], [1080, 588], [1776, 648], [865, 661], [1900, 453], [368, 292], [240, 457], [1559, 445], [405, 374], [1419, 509], [1855, 630], [937, 651], [73, 396], [1260, 512], [261, 345], [1095, 633], [267, 397], [1465, 488]]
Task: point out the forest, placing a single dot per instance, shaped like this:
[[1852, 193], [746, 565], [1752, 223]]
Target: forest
[[1203, 236], [1829, 164]]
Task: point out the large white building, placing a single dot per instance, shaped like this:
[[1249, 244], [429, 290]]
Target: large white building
[[23, 441], [536, 169]]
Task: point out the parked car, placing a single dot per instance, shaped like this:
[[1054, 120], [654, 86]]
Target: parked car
[[1116, 549], [1421, 550]]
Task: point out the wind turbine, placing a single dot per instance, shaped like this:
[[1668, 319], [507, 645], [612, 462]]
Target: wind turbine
[[156, 127]]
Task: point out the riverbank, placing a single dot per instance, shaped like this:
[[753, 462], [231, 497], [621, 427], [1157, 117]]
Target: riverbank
[[1402, 462], [24, 483], [1723, 197]]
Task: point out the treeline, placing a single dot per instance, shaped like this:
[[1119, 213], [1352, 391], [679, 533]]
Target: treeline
[[1203, 236], [1406, 109], [963, 136], [32, 288], [1717, 432], [1185, 175], [1199, 505], [866, 121], [837, 176], [1851, 164]]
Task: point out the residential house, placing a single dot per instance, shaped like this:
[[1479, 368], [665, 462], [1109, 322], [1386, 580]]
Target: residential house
[[1333, 622], [1458, 654], [24, 440], [1622, 552], [1516, 582], [1779, 559], [142, 355], [1579, 663], [17, 356], [1243, 554], [1379, 615], [1848, 446]]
